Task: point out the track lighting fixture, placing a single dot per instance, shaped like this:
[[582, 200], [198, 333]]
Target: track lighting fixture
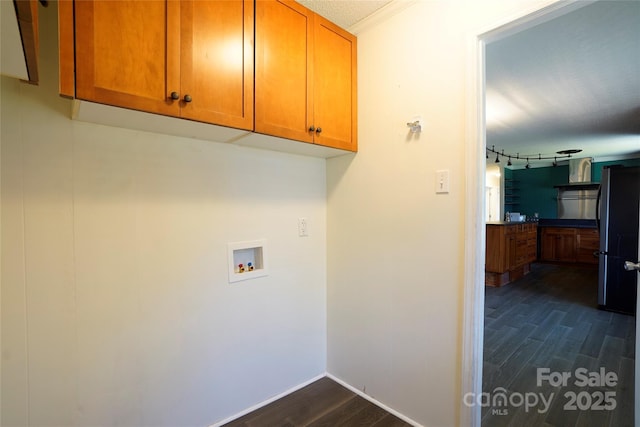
[[559, 155], [568, 153]]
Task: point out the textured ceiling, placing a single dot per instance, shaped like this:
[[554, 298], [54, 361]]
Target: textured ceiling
[[572, 82], [345, 13]]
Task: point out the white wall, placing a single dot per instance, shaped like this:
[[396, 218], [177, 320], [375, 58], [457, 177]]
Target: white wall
[[115, 304], [396, 251]]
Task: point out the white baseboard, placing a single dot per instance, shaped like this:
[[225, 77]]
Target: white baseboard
[[270, 400], [306, 383], [375, 402]]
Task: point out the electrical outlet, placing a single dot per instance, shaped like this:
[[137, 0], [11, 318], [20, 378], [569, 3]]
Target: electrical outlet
[[303, 227]]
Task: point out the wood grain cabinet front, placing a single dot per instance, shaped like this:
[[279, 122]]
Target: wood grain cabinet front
[[588, 242], [191, 59], [305, 76], [558, 244], [569, 245], [510, 248]]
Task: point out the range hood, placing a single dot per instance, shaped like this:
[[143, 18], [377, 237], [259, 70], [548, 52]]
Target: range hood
[[579, 174], [577, 199]]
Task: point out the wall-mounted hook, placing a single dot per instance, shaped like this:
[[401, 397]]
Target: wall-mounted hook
[[415, 125]]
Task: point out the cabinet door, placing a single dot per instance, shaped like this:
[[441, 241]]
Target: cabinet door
[[511, 249], [559, 244], [334, 86], [588, 243], [548, 249], [566, 247], [495, 252], [127, 54], [532, 245], [522, 249], [283, 93], [217, 62]]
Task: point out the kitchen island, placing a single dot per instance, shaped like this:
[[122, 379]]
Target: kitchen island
[[510, 249]]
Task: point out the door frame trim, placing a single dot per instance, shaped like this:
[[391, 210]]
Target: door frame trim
[[475, 148]]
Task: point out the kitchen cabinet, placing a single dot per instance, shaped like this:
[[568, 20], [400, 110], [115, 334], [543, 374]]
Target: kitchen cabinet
[[20, 40], [305, 76], [527, 244], [588, 242], [191, 59], [558, 244], [194, 59], [510, 249], [569, 244]]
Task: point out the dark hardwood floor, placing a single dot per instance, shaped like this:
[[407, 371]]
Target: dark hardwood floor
[[549, 319], [323, 403]]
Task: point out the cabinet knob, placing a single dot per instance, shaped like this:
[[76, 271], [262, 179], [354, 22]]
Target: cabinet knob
[[318, 130], [312, 129], [175, 96], [187, 98]]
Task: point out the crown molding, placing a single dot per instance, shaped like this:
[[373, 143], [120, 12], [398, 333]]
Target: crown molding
[[387, 11]]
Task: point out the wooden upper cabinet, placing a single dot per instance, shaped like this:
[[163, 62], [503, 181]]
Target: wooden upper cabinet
[[66, 49], [284, 65], [217, 61], [127, 53], [138, 53], [194, 59], [334, 88], [27, 18], [305, 76]]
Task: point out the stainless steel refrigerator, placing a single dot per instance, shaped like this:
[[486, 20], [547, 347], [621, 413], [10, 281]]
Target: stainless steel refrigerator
[[618, 208]]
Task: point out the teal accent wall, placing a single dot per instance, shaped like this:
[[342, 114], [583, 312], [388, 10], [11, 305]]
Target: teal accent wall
[[508, 173], [596, 168], [535, 186]]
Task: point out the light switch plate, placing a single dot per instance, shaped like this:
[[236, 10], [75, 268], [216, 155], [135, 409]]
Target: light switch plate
[[442, 181], [303, 227]]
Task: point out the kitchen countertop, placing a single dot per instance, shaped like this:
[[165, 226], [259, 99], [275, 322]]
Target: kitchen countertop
[[509, 222], [571, 223]]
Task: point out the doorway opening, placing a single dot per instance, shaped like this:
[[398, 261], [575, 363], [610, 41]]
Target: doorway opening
[[604, 328]]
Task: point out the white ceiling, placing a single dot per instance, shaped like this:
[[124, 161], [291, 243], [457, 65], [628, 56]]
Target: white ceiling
[[344, 13], [569, 83]]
